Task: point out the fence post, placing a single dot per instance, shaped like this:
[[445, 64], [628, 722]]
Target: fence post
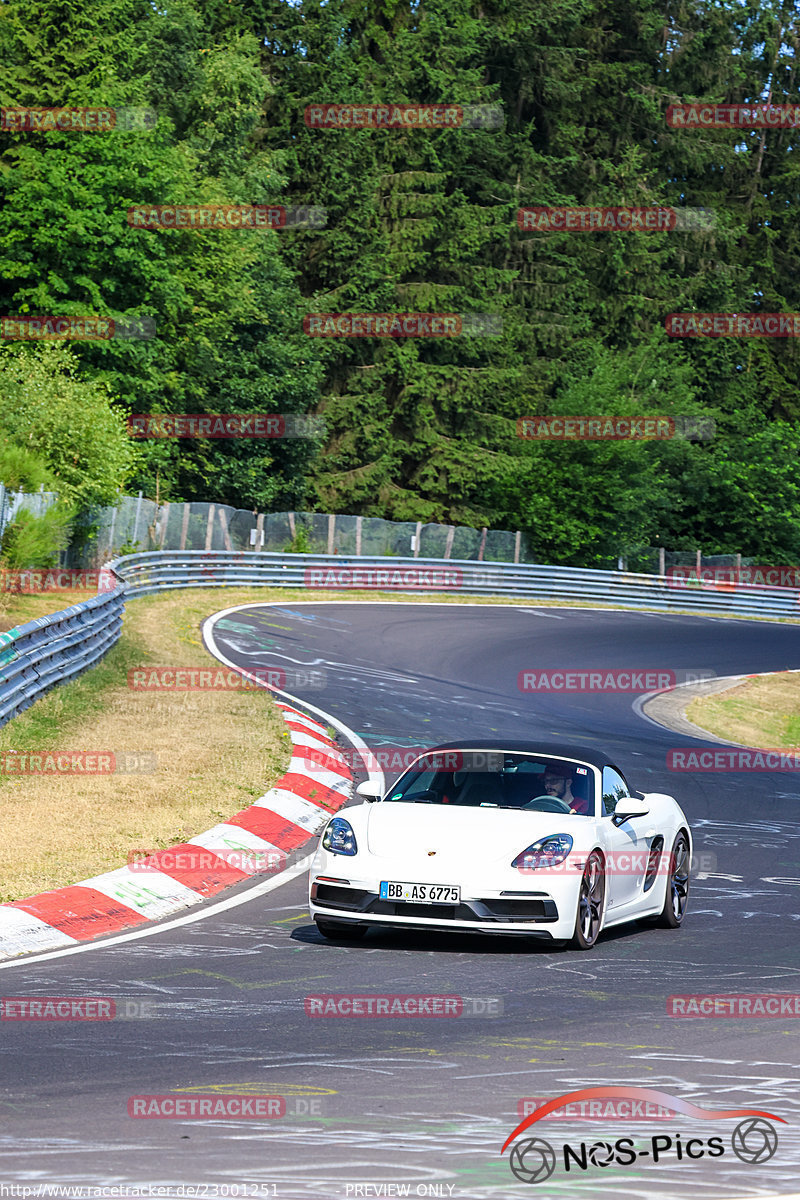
[[417, 536], [359, 522], [164, 526], [517, 544], [698, 562], [111, 531], [2, 509], [662, 561], [738, 565], [482, 546], [210, 526], [331, 530], [291, 525], [449, 543], [226, 537], [184, 524], [136, 520], [259, 531]]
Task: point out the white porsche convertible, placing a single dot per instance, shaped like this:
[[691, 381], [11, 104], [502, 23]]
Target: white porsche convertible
[[503, 838]]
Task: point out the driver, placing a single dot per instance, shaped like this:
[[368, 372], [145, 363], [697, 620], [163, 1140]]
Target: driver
[[558, 782]]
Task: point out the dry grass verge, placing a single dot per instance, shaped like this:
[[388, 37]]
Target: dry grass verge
[[216, 752], [17, 609], [763, 711]]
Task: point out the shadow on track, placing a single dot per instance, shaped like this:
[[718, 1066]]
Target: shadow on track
[[425, 941]]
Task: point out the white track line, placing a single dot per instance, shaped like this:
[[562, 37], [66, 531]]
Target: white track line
[[350, 734]]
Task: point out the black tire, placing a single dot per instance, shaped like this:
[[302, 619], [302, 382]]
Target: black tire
[[677, 896], [591, 902], [339, 931]]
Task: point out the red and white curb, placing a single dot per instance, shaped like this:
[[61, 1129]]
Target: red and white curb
[[284, 819]]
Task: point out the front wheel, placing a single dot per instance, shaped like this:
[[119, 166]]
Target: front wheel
[[339, 931], [677, 896], [591, 899]]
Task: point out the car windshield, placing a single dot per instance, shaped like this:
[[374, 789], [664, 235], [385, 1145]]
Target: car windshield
[[497, 779]]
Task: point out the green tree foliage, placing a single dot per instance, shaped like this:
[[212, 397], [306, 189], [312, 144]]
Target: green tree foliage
[[21, 470], [222, 300], [425, 220], [35, 541], [67, 422]]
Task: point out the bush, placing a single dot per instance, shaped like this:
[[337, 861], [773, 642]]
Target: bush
[[22, 469], [300, 543], [30, 541]]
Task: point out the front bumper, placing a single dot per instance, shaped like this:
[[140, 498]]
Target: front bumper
[[532, 914]]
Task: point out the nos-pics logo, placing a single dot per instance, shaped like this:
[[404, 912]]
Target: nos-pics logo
[[754, 1140]]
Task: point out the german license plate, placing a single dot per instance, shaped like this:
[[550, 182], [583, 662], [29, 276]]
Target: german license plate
[[425, 893]]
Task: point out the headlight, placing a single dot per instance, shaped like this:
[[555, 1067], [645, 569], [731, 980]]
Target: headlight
[[339, 837], [548, 852]]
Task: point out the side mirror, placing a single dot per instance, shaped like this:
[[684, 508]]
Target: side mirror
[[629, 807], [370, 790]]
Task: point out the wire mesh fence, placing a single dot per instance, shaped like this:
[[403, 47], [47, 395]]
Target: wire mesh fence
[[136, 524], [12, 503]]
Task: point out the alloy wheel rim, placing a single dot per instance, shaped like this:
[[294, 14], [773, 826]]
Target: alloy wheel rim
[[591, 900], [679, 879]]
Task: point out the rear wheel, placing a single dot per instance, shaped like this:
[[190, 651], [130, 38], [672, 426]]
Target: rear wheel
[[591, 899], [339, 931], [677, 896]]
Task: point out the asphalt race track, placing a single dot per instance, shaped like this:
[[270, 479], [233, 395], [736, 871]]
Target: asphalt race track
[[377, 1106]]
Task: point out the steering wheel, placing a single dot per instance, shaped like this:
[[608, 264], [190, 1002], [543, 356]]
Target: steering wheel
[[548, 804]]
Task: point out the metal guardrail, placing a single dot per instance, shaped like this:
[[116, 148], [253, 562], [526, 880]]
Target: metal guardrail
[[50, 650], [159, 570]]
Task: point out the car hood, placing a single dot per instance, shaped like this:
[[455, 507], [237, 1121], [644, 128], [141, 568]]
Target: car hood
[[411, 831]]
